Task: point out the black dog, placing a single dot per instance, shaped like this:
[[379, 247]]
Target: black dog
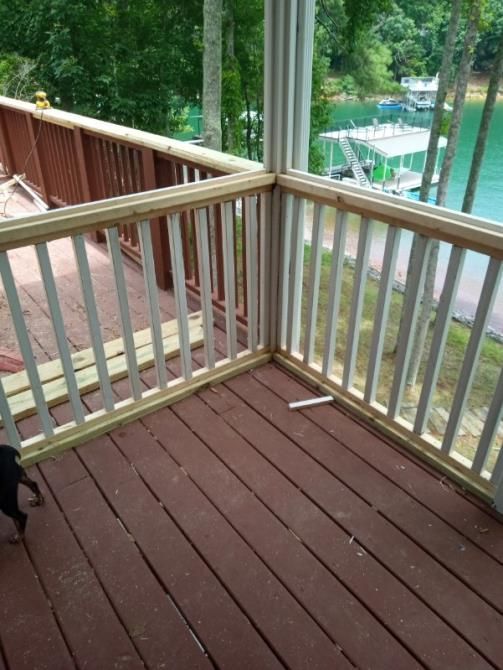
[[11, 475]]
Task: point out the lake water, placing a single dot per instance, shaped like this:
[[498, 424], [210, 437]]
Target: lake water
[[488, 202]]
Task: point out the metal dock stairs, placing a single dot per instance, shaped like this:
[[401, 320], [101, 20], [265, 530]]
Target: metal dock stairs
[[354, 163]]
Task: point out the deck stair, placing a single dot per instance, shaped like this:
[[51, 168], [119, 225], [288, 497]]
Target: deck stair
[[354, 163]]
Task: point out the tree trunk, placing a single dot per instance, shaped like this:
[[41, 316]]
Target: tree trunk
[[436, 124], [212, 74], [438, 112], [445, 173], [485, 122]]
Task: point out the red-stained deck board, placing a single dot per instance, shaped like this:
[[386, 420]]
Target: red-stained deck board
[[427, 580], [29, 632], [459, 555], [476, 523], [329, 603], [155, 627], [337, 545], [90, 626], [211, 613], [273, 541], [291, 631]]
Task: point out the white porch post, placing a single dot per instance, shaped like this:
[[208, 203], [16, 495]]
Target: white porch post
[[288, 59]]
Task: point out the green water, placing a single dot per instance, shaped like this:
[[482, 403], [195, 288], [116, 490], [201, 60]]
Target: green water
[[489, 199]]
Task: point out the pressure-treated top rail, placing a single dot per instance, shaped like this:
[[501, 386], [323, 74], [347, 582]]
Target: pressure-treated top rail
[[89, 217], [182, 151], [466, 231]]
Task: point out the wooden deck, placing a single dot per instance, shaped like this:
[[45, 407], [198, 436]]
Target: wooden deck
[[229, 532]]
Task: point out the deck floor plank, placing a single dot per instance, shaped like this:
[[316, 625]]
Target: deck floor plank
[[304, 503], [329, 603], [210, 611], [29, 633], [458, 554], [137, 597], [242, 524], [475, 522], [91, 628]]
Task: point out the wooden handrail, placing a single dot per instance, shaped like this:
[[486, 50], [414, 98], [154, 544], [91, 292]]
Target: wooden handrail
[[463, 230], [103, 214], [182, 151]]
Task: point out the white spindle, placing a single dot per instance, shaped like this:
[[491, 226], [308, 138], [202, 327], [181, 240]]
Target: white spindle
[[122, 298], [229, 279], [265, 285], [334, 291], [410, 313], [295, 277], [491, 426], [203, 259], [382, 312], [286, 241], [251, 270], [177, 265], [273, 217], [59, 330], [314, 282], [86, 284], [24, 344], [147, 255], [439, 339], [357, 299], [497, 477], [7, 420], [469, 367]]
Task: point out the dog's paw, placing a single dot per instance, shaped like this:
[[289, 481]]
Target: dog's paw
[[36, 501]]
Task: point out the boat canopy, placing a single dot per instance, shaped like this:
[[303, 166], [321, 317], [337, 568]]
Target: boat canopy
[[401, 145]]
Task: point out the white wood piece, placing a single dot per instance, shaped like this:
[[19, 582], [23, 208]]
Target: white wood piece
[[303, 82], [266, 277], [357, 299], [286, 242], [274, 216], [405, 337], [498, 496], [334, 291], [148, 267], [59, 330], [122, 298], [469, 367], [178, 267], [497, 479], [86, 284], [229, 279], [295, 277], [252, 270], [439, 339], [382, 312], [7, 420], [311, 402], [24, 343], [203, 260], [314, 282], [491, 426]]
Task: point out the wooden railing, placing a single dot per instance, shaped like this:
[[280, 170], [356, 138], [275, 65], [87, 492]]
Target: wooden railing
[[70, 159], [240, 257], [38, 387], [345, 328]]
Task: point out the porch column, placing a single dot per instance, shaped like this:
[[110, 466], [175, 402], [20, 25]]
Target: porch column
[[288, 62]]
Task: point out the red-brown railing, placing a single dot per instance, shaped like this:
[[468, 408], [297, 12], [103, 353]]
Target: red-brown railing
[[71, 159]]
